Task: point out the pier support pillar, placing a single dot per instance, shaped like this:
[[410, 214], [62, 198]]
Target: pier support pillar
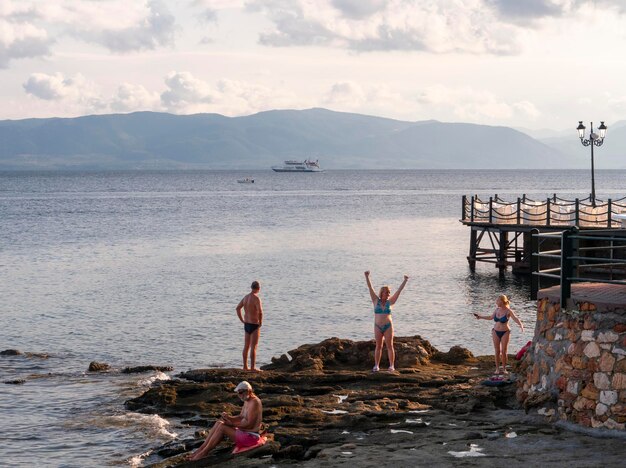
[[503, 244], [471, 258]]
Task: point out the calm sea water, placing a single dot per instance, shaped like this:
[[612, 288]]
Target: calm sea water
[[134, 268]]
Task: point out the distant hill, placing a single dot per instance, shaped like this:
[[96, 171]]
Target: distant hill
[[150, 140], [611, 155]]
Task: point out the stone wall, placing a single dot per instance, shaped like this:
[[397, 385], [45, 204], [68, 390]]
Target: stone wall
[[576, 367]]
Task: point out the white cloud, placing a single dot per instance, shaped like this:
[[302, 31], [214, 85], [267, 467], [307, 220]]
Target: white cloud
[[121, 29], [130, 97], [77, 94], [187, 94], [497, 27], [373, 99], [345, 93], [20, 40], [471, 105], [73, 94], [186, 91], [56, 87], [359, 8], [440, 27], [29, 28]]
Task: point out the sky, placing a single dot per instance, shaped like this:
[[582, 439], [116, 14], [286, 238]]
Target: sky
[[535, 64]]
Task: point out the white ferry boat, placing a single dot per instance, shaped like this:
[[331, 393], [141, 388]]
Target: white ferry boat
[[299, 166]]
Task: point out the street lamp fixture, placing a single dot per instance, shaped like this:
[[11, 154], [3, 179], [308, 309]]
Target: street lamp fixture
[[595, 139]]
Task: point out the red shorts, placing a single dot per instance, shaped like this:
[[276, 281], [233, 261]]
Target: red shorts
[[246, 439]]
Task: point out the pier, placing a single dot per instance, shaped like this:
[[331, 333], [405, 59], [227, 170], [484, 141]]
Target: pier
[[501, 231]]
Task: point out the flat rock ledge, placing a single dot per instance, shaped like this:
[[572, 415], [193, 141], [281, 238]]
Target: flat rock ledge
[[324, 407]]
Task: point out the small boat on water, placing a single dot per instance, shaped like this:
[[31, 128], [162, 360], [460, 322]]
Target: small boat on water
[[307, 165], [247, 180]]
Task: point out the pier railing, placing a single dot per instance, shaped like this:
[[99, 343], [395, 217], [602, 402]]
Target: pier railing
[[589, 256], [553, 211]]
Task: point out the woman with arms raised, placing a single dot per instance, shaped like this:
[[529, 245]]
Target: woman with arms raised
[[383, 326]]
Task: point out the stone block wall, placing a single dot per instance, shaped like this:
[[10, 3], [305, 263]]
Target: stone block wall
[[578, 362]]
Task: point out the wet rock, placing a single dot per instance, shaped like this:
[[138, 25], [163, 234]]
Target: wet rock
[[456, 355], [17, 352], [38, 355], [537, 398], [294, 452], [337, 353], [428, 405], [140, 369], [15, 382], [95, 366]]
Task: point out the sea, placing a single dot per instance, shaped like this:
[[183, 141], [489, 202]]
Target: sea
[[146, 268]]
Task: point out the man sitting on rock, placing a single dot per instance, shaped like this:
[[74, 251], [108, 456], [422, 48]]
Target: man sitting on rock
[[243, 429]]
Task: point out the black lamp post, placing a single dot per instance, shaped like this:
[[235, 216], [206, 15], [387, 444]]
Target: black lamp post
[[594, 139]]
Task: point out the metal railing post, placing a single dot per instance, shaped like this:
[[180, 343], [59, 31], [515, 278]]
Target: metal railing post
[[463, 203], [548, 212], [490, 210], [472, 211], [577, 213], [534, 263], [608, 214], [519, 210], [567, 264]]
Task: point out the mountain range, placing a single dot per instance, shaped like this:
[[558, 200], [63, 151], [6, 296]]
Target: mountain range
[[152, 140]]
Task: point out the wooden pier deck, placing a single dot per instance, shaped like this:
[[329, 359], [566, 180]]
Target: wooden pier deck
[[501, 231]]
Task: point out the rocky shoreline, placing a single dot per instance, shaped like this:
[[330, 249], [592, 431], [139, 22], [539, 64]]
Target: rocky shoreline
[[323, 409]]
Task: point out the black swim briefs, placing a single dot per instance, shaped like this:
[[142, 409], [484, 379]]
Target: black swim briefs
[[251, 327]]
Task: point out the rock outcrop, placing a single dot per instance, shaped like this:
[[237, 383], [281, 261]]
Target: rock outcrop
[[95, 366], [324, 407]]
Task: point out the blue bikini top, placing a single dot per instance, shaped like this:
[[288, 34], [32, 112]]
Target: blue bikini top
[[503, 319], [378, 309]]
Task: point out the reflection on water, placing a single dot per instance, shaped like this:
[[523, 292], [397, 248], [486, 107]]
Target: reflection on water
[[146, 268]]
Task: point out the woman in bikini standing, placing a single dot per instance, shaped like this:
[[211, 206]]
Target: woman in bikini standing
[[383, 327], [501, 331]]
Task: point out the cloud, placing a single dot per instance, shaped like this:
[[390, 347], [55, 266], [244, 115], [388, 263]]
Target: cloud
[[28, 29], [186, 94], [472, 105], [496, 27], [76, 92], [439, 27], [54, 87], [208, 13], [155, 29], [130, 97], [19, 39], [529, 9], [185, 90], [359, 8], [349, 96]]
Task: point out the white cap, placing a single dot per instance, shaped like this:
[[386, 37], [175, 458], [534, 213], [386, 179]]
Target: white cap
[[243, 385]]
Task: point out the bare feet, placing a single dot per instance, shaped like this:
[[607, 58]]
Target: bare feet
[[256, 369]]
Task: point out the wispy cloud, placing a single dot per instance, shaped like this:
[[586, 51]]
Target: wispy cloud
[[29, 29], [19, 38], [438, 27], [468, 104], [495, 27]]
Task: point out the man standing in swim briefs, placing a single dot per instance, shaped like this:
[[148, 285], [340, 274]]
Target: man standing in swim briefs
[[252, 321]]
